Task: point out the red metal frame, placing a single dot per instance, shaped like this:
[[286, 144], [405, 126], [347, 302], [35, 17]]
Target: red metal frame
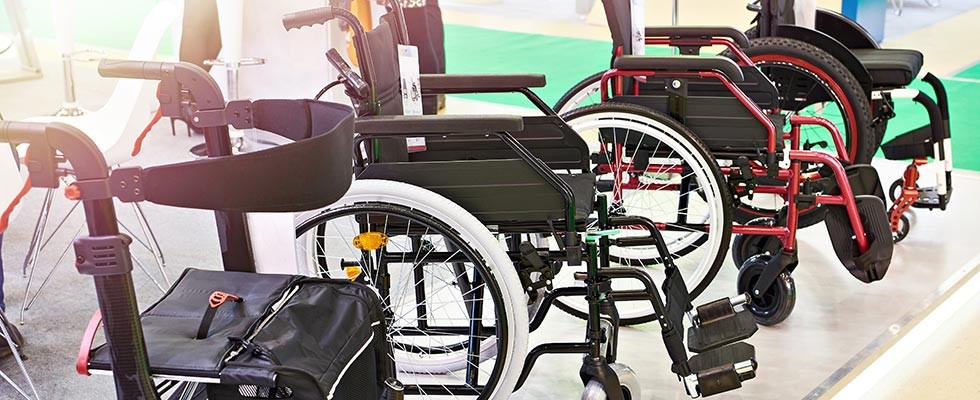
[[787, 234]]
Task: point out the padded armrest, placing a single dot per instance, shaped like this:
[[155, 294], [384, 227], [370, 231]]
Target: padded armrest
[[680, 64], [408, 125], [698, 32], [477, 83]]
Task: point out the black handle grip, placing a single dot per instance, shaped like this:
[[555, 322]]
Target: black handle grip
[[152, 70], [309, 17]]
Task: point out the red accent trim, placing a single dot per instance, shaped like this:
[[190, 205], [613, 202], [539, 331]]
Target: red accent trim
[[833, 85], [85, 350], [5, 216], [138, 145]]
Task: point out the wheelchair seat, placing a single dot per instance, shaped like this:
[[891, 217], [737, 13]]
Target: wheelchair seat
[[890, 67]]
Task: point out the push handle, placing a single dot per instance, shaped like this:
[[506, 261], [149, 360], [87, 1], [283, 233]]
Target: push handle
[[152, 70], [309, 17]]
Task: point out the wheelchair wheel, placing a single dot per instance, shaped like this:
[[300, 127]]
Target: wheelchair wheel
[[584, 93], [456, 312], [811, 82], [628, 383], [745, 246], [652, 166], [777, 303]]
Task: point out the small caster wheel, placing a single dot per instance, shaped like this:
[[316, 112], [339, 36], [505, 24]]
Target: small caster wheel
[[776, 303], [904, 226], [745, 246], [628, 383]]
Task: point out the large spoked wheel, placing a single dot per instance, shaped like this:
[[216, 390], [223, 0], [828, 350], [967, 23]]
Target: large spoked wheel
[[652, 166], [456, 314], [584, 93], [811, 82]]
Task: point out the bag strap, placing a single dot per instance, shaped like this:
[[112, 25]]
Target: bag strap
[[216, 299]]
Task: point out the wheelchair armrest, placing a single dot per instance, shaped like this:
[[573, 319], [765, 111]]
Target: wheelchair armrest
[[476, 83], [680, 64], [698, 32], [414, 125]]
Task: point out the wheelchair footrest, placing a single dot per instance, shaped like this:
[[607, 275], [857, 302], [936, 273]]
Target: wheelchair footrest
[[929, 198], [721, 369], [916, 143], [733, 326], [873, 263]]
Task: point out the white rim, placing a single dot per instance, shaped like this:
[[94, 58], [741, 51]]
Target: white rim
[[482, 241], [693, 274]]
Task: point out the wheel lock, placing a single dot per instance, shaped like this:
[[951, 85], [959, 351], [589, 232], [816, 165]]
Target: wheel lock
[[534, 272]]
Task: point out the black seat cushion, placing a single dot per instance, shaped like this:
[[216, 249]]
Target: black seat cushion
[[890, 67]]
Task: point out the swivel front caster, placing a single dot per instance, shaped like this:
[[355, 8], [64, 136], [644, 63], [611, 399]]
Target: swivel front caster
[[774, 304], [628, 384], [904, 225]]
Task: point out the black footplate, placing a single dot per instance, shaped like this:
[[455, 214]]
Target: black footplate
[[721, 369], [718, 324], [873, 264], [929, 198]]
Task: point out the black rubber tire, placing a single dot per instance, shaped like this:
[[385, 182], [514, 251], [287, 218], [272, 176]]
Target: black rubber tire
[[724, 197], [903, 230], [793, 52], [565, 98], [745, 246], [777, 303]]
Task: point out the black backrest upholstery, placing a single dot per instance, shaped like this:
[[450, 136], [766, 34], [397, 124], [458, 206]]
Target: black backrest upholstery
[[277, 179]]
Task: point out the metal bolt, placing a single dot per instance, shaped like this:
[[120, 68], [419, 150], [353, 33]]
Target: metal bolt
[[756, 292], [122, 184], [79, 260], [676, 84], [136, 192]]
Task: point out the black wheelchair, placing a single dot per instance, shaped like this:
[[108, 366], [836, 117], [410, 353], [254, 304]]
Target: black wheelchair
[[530, 181], [883, 75], [745, 119]]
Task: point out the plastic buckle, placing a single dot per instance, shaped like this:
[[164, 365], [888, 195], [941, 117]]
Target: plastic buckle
[[103, 255]]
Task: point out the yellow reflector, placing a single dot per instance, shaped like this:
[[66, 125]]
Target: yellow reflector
[[368, 241], [352, 272]]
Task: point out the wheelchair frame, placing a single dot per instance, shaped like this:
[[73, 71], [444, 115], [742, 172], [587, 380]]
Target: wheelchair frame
[[599, 349], [838, 35], [798, 191]]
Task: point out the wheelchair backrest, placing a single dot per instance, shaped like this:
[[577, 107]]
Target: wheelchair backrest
[[546, 137]]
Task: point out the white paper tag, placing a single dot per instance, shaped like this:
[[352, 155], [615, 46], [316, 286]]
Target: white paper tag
[[408, 65], [638, 24]]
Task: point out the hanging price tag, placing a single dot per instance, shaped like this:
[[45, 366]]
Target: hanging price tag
[[408, 65]]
